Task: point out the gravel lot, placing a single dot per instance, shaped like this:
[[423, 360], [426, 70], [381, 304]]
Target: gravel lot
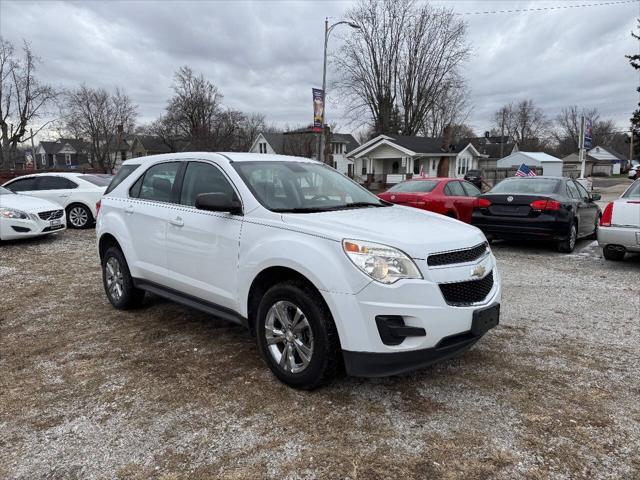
[[167, 392]]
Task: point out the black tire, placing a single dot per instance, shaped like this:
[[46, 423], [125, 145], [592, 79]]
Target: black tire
[[594, 235], [612, 254], [568, 244], [130, 296], [325, 359], [79, 216]]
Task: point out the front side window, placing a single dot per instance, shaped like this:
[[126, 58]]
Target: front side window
[[203, 178], [158, 182], [583, 192], [303, 187], [633, 192], [23, 185], [573, 190]]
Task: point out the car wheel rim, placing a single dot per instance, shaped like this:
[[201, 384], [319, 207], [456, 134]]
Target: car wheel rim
[[78, 217], [115, 282], [572, 237], [289, 337]]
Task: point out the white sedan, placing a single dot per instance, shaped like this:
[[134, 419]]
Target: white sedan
[[619, 230], [25, 217], [77, 193]]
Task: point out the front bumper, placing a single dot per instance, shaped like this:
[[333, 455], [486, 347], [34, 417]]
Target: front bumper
[[627, 237], [421, 304], [34, 226]]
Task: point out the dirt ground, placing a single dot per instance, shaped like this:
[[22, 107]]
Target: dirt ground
[[167, 392]]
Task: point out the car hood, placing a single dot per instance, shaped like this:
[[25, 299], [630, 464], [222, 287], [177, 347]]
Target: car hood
[[27, 204], [416, 232]]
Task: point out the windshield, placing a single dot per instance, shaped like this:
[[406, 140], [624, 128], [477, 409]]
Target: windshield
[[4, 191], [633, 192], [303, 187], [99, 180], [423, 186], [526, 185]]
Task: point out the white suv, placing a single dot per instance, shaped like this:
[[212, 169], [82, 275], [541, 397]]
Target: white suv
[[323, 272]]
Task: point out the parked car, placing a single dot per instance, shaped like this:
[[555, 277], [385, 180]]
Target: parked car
[[317, 267], [619, 230], [26, 217], [474, 177], [634, 172], [447, 196], [77, 193], [546, 208]]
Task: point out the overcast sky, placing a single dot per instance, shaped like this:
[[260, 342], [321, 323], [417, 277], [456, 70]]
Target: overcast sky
[[265, 56]]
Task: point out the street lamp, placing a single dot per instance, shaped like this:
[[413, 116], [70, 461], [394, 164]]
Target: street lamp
[[327, 30]]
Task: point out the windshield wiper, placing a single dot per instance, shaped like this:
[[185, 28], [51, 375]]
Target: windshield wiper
[[302, 209], [360, 205]]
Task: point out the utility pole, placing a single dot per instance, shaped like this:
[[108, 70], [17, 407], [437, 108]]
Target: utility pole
[[631, 147], [33, 151], [502, 137], [581, 151]]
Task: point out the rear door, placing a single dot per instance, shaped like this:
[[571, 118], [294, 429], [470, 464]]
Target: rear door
[[152, 198], [203, 246], [473, 193], [458, 199]]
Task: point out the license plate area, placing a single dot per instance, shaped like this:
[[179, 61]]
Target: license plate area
[[55, 223], [485, 319]]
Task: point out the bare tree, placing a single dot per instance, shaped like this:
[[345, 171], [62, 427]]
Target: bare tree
[[23, 99], [452, 107], [400, 62], [99, 115], [567, 129], [525, 122]]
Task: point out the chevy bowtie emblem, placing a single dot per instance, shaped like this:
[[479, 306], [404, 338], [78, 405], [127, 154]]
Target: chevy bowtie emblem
[[509, 199], [478, 271]]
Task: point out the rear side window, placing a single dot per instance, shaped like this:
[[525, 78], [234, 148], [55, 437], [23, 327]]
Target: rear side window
[[123, 173], [454, 189], [55, 183], [22, 185], [203, 178], [97, 180], [159, 181], [472, 190], [423, 186]]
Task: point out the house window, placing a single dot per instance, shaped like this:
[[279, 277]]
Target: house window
[[262, 147], [433, 165], [123, 155], [463, 165], [67, 158], [43, 158]]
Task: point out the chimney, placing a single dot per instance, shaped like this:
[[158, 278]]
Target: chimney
[[443, 164]]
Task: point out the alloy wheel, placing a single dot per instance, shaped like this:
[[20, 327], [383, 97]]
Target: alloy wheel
[[573, 235], [115, 281], [289, 337], [78, 217]]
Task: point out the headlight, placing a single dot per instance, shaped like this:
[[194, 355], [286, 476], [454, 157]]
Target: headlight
[[381, 262], [12, 213]]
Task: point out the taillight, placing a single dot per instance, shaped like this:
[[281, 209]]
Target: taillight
[[546, 205], [484, 203], [98, 203], [607, 215]]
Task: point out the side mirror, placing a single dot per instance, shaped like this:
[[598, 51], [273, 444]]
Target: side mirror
[[219, 202], [595, 196]]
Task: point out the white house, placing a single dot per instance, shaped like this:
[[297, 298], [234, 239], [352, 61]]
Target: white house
[[549, 164], [304, 143], [607, 160], [389, 159]]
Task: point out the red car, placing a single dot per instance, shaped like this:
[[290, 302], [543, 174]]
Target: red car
[[447, 196]]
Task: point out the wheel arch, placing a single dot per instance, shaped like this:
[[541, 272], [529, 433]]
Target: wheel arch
[[107, 241], [81, 204]]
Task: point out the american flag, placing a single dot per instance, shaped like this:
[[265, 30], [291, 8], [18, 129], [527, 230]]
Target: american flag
[[524, 171], [422, 170]]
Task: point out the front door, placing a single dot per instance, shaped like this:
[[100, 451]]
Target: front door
[[203, 246], [588, 211]]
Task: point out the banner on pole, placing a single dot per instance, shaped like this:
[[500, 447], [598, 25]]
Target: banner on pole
[[318, 109], [588, 131], [28, 160]]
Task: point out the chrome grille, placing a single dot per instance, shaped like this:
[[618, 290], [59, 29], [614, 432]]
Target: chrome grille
[[50, 214]]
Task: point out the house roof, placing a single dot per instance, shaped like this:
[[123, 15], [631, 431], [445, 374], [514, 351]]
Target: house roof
[[279, 141], [610, 151], [536, 157], [152, 144], [426, 144], [490, 149], [347, 138], [51, 147]]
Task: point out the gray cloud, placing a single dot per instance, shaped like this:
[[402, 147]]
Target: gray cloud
[[266, 55]]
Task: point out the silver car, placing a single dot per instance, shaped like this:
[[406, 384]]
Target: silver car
[[619, 230]]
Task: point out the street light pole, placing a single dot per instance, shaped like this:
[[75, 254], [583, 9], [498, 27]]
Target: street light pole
[[327, 31]]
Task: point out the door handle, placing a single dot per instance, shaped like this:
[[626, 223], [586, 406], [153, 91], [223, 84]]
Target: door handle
[[63, 196], [177, 222], [128, 209]]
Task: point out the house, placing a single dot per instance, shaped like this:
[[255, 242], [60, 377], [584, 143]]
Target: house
[[549, 164], [143, 145], [606, 160], [572, 166], [304, 143], [65, 153], [390, 159]]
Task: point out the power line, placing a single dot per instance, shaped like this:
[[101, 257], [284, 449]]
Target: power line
[[540, 9]]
